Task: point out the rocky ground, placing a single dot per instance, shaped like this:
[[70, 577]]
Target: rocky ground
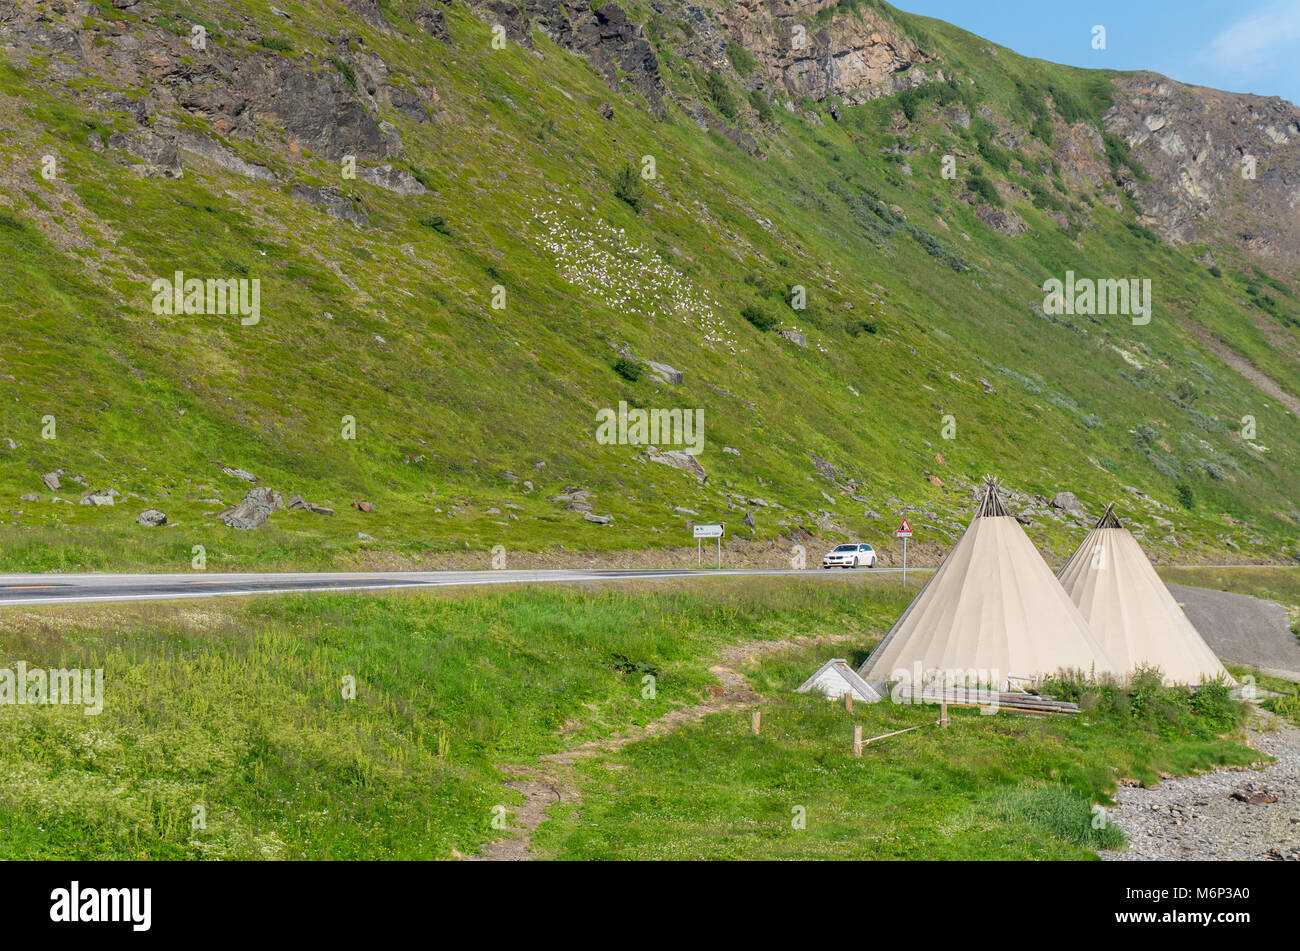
[[1230, 814]]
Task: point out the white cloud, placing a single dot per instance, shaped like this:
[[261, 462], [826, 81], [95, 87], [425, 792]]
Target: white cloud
[[1261, 41]]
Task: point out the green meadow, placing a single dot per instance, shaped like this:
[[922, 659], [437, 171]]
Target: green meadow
[[375, 726], [986, 787]]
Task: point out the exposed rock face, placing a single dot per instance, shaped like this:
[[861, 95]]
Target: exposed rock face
[[858, 56], [1002, 220], [612, 43], [1082, 154], [511, 16], [369, 11], [1194, 143], [155, 75], [333, 202], [434, 22], [392, 179], [223, 158]]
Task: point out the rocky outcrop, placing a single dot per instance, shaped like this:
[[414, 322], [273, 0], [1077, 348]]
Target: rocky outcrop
[[154, 73], [612, 43], [858, 56], [254, 511], [223, 158], [397, 180], [1195, 144], [1067, 502], [677, 459], [434, 22], [664, 373], [333, 202], [1002, 220]]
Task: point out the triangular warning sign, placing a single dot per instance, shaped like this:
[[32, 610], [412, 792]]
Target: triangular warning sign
[[904, 529]]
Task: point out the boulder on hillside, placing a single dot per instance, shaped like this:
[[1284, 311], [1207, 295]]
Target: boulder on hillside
[[298, 504], [239, 474], [665, 373], [151, 518], [253, 512], [678, 460], [1068, 502], [51, 480]]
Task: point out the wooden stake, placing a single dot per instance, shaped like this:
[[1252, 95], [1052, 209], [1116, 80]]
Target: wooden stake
[[943, 714], [857, 741], [848, 701], [755, 721]]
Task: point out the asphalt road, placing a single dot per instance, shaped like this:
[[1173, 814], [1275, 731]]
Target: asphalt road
[[70, 588], [1243, 629]]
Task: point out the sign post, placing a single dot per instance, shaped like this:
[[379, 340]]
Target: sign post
[[707, 531], [904, 532]]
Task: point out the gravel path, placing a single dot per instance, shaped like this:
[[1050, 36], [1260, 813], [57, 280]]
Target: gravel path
[[1209, 817], [1242, 629]]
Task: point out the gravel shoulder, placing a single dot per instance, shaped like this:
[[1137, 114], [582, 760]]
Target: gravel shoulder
[[1223, 815], [1242, 629]]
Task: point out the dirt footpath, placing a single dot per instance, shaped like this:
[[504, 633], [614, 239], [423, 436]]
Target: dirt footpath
[[553, 779]]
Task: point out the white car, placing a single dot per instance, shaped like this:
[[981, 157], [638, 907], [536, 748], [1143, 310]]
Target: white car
[[850, 556]]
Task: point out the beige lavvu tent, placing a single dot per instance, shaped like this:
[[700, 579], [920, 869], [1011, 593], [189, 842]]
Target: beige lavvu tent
[[1131, 611], [993, 606]]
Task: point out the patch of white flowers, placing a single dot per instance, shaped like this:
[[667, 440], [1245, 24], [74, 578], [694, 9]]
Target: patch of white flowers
[[630, 277]]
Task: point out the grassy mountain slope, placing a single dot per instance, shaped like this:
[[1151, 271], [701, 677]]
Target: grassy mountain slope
[[911, 299]]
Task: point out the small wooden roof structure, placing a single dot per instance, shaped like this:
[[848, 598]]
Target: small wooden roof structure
[[835, 678]]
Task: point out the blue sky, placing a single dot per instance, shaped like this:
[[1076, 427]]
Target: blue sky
[[1241, 46]]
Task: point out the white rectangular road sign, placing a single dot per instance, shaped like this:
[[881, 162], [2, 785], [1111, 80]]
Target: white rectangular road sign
[[708, 531]]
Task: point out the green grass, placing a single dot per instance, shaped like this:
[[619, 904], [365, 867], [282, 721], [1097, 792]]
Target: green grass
[[392, 323], [1274, 583], [999, 787], [238, 706]]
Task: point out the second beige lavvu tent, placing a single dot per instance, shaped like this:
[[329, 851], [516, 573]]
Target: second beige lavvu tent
[[994, 605], [1131, 611]]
